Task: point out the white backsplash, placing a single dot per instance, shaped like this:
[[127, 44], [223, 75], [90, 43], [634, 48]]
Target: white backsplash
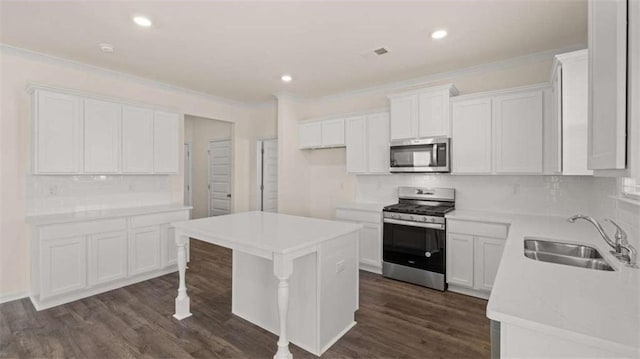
[[548, 195], [60, 194]]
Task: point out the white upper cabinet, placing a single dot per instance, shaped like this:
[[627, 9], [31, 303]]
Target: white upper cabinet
[[325, 133], [367, 141], [517, 122], [404, 117], [570, 116], [608, 84], [102, 136], [333, 133], [356, 140], [165, 142], [498, 132], [310, 134], [137, 140], [471, 136], [57, 133], [421, 113], [434, 114], [378, 142], [78, 134]]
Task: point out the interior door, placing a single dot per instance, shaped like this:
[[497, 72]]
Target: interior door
[[268, 175], [187, 174], [219, 177]]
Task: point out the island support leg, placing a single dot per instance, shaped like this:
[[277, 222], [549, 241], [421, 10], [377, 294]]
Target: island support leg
[[182, 301], [282, 268]]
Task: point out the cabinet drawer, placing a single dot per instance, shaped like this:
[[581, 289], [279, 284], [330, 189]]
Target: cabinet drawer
[[82, 228], [494, 230], [158, 218], [358, 216]]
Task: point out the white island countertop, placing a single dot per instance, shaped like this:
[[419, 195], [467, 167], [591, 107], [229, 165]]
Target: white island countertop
[[87, 215], [264, 233], [599, 308]]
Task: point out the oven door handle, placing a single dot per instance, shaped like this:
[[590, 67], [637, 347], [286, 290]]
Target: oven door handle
[[414, 224]]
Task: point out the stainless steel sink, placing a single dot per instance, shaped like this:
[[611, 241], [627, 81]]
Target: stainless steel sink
[[565, 253]]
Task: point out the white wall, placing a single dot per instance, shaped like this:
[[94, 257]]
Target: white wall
[[20, 68], [199, 131]]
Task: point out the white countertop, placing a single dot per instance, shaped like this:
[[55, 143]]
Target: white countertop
[[262, 233], [590, 306], [363, 206], [101, 214]]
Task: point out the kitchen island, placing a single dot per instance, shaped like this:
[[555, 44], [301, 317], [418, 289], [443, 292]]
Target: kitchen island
[[294, 276]]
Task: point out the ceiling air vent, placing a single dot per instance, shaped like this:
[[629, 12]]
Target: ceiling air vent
[[381, 51]]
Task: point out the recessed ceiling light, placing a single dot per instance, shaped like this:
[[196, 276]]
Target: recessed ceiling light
[[104, 47], [142, 21], [438, 34], [286, 78]]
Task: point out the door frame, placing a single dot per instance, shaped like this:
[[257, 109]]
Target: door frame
[[231, 160], [188, 168], [259, 170]]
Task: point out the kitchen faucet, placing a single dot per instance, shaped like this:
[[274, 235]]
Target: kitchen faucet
[[620, 239]]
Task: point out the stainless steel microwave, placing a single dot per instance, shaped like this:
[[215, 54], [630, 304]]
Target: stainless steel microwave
[[423, 155]]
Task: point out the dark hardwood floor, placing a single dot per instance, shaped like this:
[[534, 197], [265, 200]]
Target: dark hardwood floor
[[395, 320]]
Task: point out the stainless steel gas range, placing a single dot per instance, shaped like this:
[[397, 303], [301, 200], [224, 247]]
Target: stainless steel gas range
[[414, 239]]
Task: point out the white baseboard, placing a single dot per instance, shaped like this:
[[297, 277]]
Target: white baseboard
[[469, 292], [10, 297]]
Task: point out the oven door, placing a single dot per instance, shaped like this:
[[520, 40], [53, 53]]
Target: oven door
[[427, 155], [412, 244]]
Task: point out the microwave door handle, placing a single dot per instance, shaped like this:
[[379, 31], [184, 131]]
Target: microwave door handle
[[434, 154]]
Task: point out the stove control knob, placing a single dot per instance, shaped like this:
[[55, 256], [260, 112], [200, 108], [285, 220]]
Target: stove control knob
[[427, 254]]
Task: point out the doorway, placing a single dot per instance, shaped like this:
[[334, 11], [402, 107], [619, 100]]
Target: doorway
[[188, 185], [219, 177], [267, 163]]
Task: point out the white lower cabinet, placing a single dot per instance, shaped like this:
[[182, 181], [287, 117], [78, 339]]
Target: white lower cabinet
[[473, 256], [370, 244], [144, 250], [460, 260], [107, 257], [63, 263], [74, 260]]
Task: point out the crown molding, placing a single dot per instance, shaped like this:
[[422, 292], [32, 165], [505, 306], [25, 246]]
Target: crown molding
[[38, 56], [450, 75]]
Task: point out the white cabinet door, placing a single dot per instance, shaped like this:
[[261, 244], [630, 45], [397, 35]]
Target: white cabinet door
[[574, 112], [137, 140], [102, 136], [356, 141], [57, 133], [378, 143], [607, 84], [552, 151], [488, 252], [144, 250], [404, 117], [434, 114], [460, 260], [310, 134], [169, 248], [517, 122], [370, 246], [165, 142], [333, 133], [107, 257], [471, 136], [63, 266]]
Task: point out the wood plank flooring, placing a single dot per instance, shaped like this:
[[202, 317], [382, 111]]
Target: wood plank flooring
[[395, 320]]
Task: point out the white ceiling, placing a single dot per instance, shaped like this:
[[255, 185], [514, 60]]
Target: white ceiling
[[238, 50]]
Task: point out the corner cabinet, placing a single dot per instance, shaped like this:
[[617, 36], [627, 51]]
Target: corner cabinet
[[77, 134], [421, 113], [474, 251], [73, 260], [499, 132], [367, 142]]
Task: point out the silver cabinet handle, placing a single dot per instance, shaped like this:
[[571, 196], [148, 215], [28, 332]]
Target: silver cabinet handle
[[414, 224]]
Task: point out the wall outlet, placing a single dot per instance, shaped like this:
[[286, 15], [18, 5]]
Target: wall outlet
[[340, 266]]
